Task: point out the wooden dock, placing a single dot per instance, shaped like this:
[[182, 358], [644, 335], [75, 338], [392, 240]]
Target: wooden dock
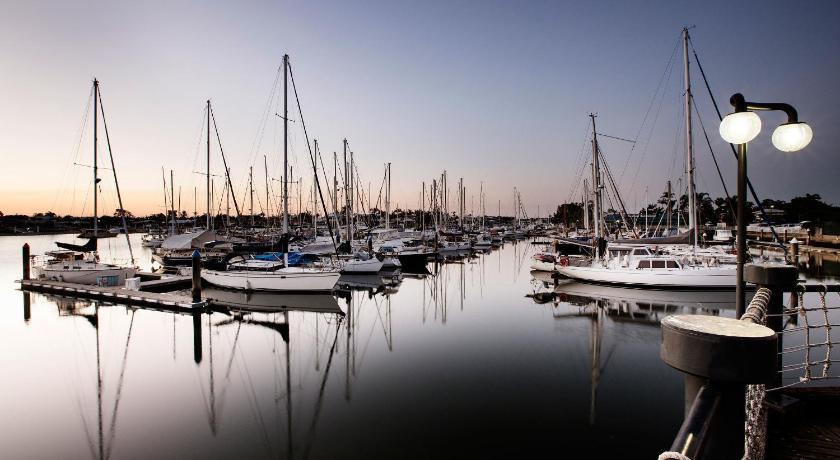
[[120, 295]]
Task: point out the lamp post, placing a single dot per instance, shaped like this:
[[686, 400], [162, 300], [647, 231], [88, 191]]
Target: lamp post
[[739, 128]]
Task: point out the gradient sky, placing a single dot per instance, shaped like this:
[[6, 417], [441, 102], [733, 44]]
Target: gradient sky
[[497, 92]]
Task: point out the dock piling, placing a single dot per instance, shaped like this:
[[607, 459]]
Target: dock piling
[[196, 277], [26, 262]]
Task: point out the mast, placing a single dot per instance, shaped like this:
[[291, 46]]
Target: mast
[[585, 205], [267, 205], [95, 164], [335, 193], [285, 143], [692, 194], [251, 186], [315, 185], [208, 165], [347, 195], [172, 197], [596, 184], [423, 212], [388, 196], [670, 210]]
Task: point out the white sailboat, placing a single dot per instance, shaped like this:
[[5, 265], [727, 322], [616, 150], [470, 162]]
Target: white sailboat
[[639, 266], [80, 263], [287, 278]]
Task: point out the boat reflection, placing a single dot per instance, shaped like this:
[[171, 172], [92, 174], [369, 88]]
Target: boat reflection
[[271, 302]]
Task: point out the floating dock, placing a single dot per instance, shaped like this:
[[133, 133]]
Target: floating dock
[[120, 295]]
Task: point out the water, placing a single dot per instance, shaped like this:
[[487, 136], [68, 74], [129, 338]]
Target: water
[[452, 365]]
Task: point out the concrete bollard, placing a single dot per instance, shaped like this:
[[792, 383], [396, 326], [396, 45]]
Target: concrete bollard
[[26, 261], [196, 276], [718, 356]]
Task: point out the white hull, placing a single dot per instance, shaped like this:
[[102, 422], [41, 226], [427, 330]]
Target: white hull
[[284, 279], [543, 266], [88, 273], [700, 278], [372, 265]]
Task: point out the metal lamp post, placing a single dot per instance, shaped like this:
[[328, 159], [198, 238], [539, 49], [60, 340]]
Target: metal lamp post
[[739, 128]]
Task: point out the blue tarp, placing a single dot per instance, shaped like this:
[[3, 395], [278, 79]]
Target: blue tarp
[[294, 257]]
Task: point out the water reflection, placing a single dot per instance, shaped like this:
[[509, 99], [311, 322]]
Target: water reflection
[[452, 362]]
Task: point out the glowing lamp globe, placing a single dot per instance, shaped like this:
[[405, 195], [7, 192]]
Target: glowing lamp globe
[[740, 127], [791, 137]]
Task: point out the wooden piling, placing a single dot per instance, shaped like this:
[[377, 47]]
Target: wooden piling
[[196, 277], [26, 262]]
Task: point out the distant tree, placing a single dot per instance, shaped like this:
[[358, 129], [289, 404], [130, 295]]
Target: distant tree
[[118, 213]]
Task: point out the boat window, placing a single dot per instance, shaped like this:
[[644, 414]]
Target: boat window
[[672, 264], [644, 264], [657, 264]]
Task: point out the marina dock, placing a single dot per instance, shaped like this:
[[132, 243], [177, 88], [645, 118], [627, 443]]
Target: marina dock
[[121, 295]]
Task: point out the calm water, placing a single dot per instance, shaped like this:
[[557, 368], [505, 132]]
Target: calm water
[[459, 364]]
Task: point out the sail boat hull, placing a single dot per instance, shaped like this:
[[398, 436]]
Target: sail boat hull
[[681, 278], [286, 279], [84, 272]]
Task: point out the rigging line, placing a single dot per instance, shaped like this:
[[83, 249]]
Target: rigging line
[[198, 142], [116, 182], [714, 158], [652, 127], [78, 147], [624, 215], [667, 71], [311, 157], [580, 164], [256, 144], [617, 138], [732, 147], [224, 161], [113, 427]]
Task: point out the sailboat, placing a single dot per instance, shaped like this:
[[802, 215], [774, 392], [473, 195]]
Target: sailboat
[[641, 266], [285, 278], [80, 263]]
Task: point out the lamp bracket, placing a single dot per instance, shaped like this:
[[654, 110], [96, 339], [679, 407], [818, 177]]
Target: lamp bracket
[[741, 105]]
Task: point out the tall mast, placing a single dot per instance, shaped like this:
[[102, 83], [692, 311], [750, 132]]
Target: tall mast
[[172, 197], [423, 212], [670, 210], [347, 194], [208, 165], [335, 191], [285, 143], [596, 185], [388, 196], [315, 193], [251, 185], [692, 194], [95, 164], [267, 202]]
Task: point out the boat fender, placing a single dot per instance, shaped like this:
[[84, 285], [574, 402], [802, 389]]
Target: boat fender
[[564, 261]]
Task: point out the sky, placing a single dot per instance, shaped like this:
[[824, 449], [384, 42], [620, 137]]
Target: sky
[[496, 93]]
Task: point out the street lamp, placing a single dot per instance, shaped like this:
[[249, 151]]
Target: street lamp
[[739, 128]]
